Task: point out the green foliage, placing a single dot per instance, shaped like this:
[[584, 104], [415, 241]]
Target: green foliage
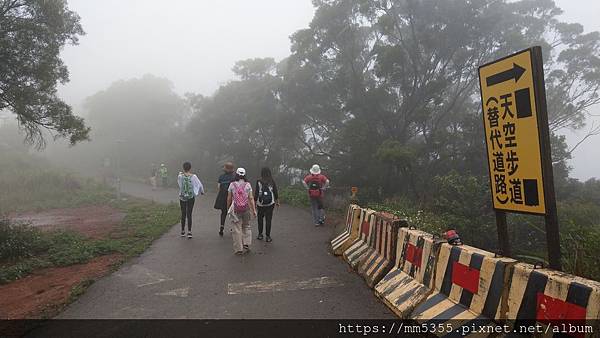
[[580, 237], [20, 269], [245, 121], [463, 201], [294, 195], [32, 36], [20, 241], [68, 248], [24, 249], [405, 209], [398, 90]]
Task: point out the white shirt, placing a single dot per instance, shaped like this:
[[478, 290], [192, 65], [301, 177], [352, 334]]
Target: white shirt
[[196, 184]]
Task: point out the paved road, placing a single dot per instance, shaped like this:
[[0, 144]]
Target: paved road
[[295, 276]]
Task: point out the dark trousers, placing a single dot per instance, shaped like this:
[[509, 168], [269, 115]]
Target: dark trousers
[[265, 213], [223, 217], [186, 212]]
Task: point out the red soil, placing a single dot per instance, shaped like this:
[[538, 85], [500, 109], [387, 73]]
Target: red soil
[[91, 221], [45, 291]]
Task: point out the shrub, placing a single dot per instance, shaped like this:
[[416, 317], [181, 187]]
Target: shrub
[[294, 195], [20, 241]]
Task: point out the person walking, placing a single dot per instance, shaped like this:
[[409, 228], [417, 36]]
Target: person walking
[[164, 174], [316, 183], [189, 187], [240, 203], [223, 187], [266, 199], [153, 175]]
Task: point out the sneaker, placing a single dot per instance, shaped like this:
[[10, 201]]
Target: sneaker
[[321, 223], [189, 234], [183, 234], [260, 237], [246, 247], [221, 231], [239, 253], [269, 239]]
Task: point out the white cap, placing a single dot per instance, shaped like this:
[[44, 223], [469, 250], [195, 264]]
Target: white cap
[[315, 170], [241, 171]]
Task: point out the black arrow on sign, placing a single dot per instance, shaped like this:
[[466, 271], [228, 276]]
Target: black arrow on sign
[[514, 73]]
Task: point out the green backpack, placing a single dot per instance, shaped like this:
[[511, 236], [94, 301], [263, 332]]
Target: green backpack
[[187, 189]]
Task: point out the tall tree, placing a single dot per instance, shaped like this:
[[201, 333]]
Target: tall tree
[[401, 75], [32, 33], [245, 120]]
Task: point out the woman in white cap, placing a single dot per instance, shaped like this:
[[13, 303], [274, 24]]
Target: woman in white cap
[[316, 183], [240, 202]]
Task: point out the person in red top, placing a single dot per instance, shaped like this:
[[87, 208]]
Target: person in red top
[[316, 183]]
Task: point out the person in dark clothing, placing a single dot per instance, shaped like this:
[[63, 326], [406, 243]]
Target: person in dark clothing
[[223, 186], [266, 198]]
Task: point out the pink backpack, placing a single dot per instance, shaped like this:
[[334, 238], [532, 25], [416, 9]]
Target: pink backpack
[[240, 197]]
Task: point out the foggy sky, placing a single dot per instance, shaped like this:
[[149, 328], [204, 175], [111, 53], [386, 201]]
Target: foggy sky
[[195, 43]]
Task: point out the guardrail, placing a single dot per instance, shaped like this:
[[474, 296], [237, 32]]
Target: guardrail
[[421, 277]]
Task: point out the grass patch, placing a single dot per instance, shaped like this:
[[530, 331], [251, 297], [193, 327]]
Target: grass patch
[[29, 183], [424, 220], [24, 249], [294, 195]]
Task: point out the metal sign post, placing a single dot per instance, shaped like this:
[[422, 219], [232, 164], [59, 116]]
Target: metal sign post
[[517, 138]]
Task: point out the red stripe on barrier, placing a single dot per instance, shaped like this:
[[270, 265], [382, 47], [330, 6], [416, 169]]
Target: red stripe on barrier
[[365, 228], [549, 309], [465, 276], [414, 254]]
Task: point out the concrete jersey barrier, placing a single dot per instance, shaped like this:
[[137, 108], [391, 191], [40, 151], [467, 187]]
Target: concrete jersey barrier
[[430, 281], [381, 255], [411, 279], [352, 221], [357, 251], [544, 296], [469, 286]]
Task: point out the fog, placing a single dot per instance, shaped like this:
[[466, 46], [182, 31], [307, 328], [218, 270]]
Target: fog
[[195, 44], [192, 43], [586, 158]]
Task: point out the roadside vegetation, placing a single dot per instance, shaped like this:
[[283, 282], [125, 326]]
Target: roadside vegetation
[[24, 249], [384, 95], [294, 195], [33, 184], [463, 202]]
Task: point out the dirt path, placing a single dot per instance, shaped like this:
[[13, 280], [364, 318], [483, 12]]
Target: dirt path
[[295, 276], [93, 221], [46, 290]]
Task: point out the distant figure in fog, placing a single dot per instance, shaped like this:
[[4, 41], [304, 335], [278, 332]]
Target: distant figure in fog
[[316, 183], [164, 174], [153, 175], [189, 187], [223, 186], [240, 204], [266, 199]]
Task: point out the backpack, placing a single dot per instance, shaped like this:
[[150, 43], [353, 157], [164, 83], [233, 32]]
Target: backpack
[[265, 194], [240, 197], [187, 188], [314, 187]]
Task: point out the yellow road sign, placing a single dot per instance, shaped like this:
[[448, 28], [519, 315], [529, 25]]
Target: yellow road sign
[[512, 133]]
